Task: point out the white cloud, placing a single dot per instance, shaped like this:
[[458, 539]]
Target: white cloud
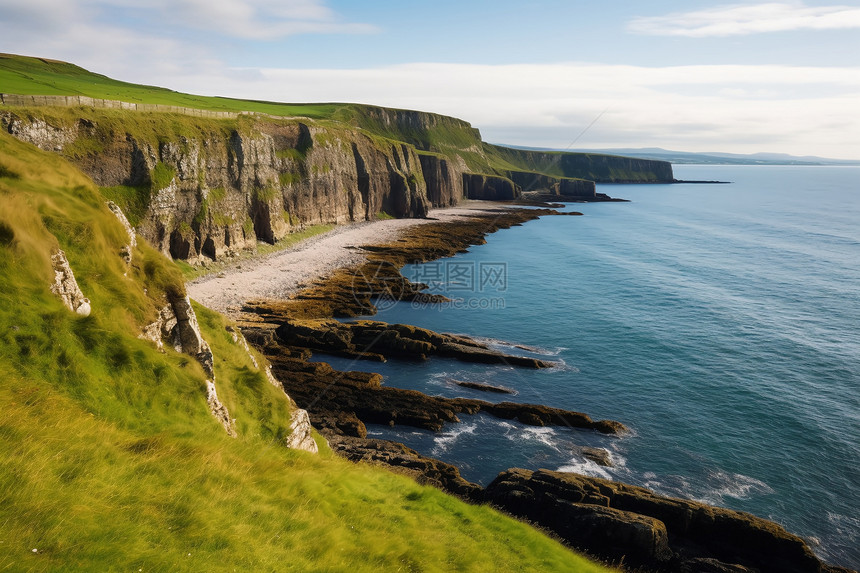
[[740, 19], [258, 19], [246, 19], [801, 110], [741, 108]]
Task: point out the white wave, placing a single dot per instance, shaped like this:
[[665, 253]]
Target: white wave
[[561, 366], [845, 525], [712, 490], [586, 468], [543, 435], [738, 486], [446, 439], [506, 344]]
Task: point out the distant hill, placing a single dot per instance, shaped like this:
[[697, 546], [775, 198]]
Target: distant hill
[[710, 158]]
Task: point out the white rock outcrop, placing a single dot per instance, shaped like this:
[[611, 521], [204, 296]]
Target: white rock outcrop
[[300, 437], [219, 410], [187, 337], [66, 287], [301, 431], [127, 250], [177, 324]]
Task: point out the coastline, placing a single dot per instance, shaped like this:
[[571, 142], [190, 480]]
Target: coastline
[[615, 522], [281, 275]]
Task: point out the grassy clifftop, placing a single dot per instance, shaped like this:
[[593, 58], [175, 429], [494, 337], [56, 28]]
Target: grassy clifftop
[[111, 460], [428, 132]]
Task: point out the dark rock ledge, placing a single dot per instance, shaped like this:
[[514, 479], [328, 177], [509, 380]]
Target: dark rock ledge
[[374, 340], [632, 525], [343, 402], [621, 524]]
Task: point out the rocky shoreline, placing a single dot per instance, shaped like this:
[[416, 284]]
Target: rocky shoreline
[[620, 524]]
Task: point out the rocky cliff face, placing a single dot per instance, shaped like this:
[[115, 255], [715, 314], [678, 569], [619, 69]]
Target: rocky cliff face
[[561, 186], [201, 188], [592, 166], [444, 178], [490, 187], [222, 185]]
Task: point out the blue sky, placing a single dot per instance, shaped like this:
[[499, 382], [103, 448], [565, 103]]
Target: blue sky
[[780, 76]]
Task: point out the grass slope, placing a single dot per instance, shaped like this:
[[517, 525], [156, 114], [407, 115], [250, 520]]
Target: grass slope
[[438, 134], [111, 461]]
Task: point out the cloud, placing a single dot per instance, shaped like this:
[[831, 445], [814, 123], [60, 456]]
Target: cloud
[[741, 108], [742, 19], [256, 19], [792, 109], [245, 19]]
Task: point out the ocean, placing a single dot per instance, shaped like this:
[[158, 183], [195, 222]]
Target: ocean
[[720, 323]]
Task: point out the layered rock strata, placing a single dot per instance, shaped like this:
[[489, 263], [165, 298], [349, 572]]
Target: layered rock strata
[[616, 522], [344, 402], [374, 340], [633, 525], [201, 187]]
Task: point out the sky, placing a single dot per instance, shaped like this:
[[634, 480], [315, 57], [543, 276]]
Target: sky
[[740, 77]]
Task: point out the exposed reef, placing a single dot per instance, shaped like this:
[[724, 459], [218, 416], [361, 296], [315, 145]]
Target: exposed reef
[[620, 524], [633, 525], [374, 340], [344, 402]]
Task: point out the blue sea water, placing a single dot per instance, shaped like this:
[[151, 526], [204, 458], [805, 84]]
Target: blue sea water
[[721, 323]]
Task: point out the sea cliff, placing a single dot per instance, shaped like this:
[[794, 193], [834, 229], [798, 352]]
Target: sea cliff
[[202, 185]]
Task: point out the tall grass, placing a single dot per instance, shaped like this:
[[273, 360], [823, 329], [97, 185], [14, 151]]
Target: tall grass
[[111, 461]]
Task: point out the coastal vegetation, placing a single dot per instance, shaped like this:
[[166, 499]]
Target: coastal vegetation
[[111, 460], [141, 430], [447, 136]]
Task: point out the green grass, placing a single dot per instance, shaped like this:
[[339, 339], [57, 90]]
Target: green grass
[[34, 76], [447, 136], [111, 461]]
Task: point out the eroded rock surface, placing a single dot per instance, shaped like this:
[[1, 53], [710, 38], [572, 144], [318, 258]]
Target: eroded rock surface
[[344, 402], [301, 432], [425, 470], [128, 249], [66, 287], [219, 410], [625, 523], [374, 340]]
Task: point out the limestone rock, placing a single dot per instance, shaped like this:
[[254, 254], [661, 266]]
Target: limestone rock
[[66, 287], [597, 455], [376, 340], [127, 250], [424, 469], [483, 387], [490, 187], [219, 410], [39, 132], [344, 401], [186, 334], [300, 437]]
